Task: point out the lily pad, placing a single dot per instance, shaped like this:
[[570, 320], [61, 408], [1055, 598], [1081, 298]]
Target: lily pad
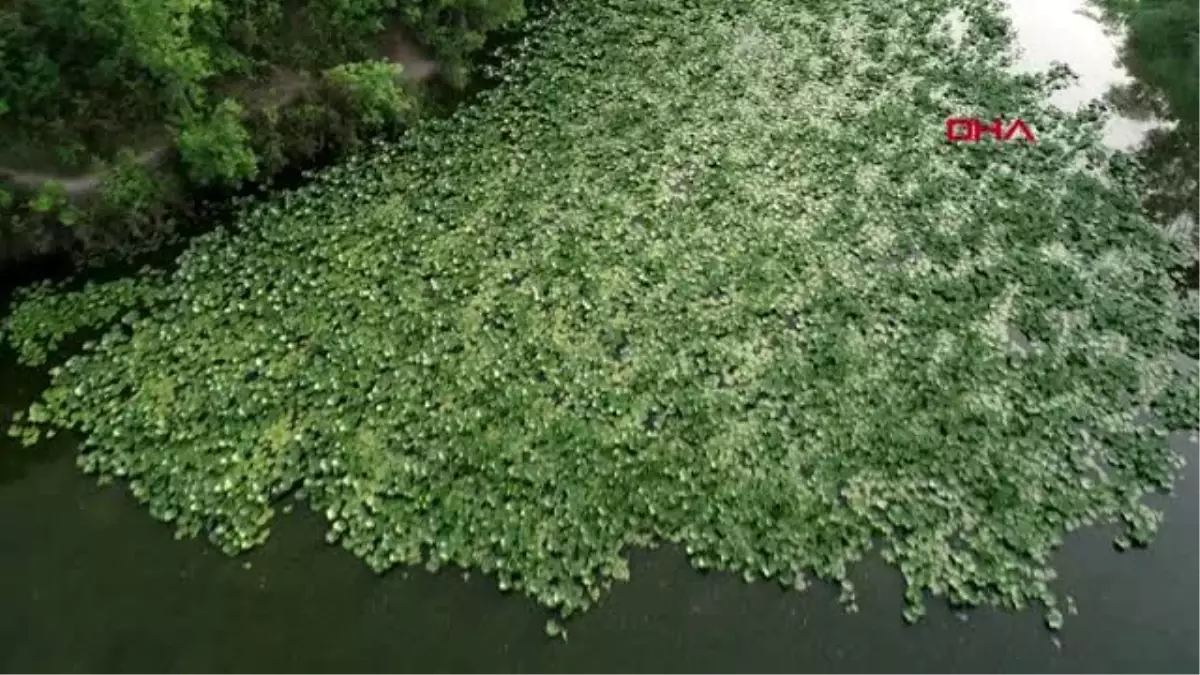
[[730, 288]]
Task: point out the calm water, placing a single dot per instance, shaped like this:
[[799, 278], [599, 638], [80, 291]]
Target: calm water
[[1062, 30], [88, 581]]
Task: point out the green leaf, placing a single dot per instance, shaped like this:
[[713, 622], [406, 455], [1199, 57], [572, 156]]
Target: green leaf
[[719, 302]]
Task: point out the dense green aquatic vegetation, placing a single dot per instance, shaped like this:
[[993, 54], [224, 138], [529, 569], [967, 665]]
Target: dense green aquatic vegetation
[[695, 272]]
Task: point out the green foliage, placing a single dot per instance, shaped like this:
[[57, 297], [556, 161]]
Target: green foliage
[[47, 314], [216, 148], [164, 37], [455, 29], [350, 105], [299, 131], [677, 279], [73, 71], [81, 82], [51, 200], [79, 71], [373, 93], [129, 188], [332, 24]]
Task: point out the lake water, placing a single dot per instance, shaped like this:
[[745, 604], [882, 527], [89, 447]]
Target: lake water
[[1063, 30], [89, 582]]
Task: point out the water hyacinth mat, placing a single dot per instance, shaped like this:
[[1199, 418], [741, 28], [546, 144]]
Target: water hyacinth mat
[[696, 271]]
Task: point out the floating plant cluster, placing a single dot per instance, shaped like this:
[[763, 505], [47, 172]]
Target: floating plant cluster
[[696, 271]]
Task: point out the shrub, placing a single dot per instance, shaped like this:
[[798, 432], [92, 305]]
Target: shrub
[[129, 187], [80, 80], [371, 91], [216, 148]]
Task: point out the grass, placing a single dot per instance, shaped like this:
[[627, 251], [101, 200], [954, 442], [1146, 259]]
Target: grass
[[695, 272]]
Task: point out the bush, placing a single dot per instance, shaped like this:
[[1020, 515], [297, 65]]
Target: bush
[[129, 187], [216, 148], [370, 89], [83, 80], [73, 72]]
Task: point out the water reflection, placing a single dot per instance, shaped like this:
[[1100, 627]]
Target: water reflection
[[1095, 46], [1067, 31]]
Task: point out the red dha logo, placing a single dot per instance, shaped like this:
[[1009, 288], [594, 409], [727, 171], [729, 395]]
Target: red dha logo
[[962, 130]]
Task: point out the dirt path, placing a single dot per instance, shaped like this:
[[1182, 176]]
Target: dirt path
[[283, 88]]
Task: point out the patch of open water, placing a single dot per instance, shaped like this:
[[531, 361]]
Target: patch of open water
[[89, 582], [1067, 31]]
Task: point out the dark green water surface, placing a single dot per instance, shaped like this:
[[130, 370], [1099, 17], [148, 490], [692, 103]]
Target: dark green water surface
[[89, 582]]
